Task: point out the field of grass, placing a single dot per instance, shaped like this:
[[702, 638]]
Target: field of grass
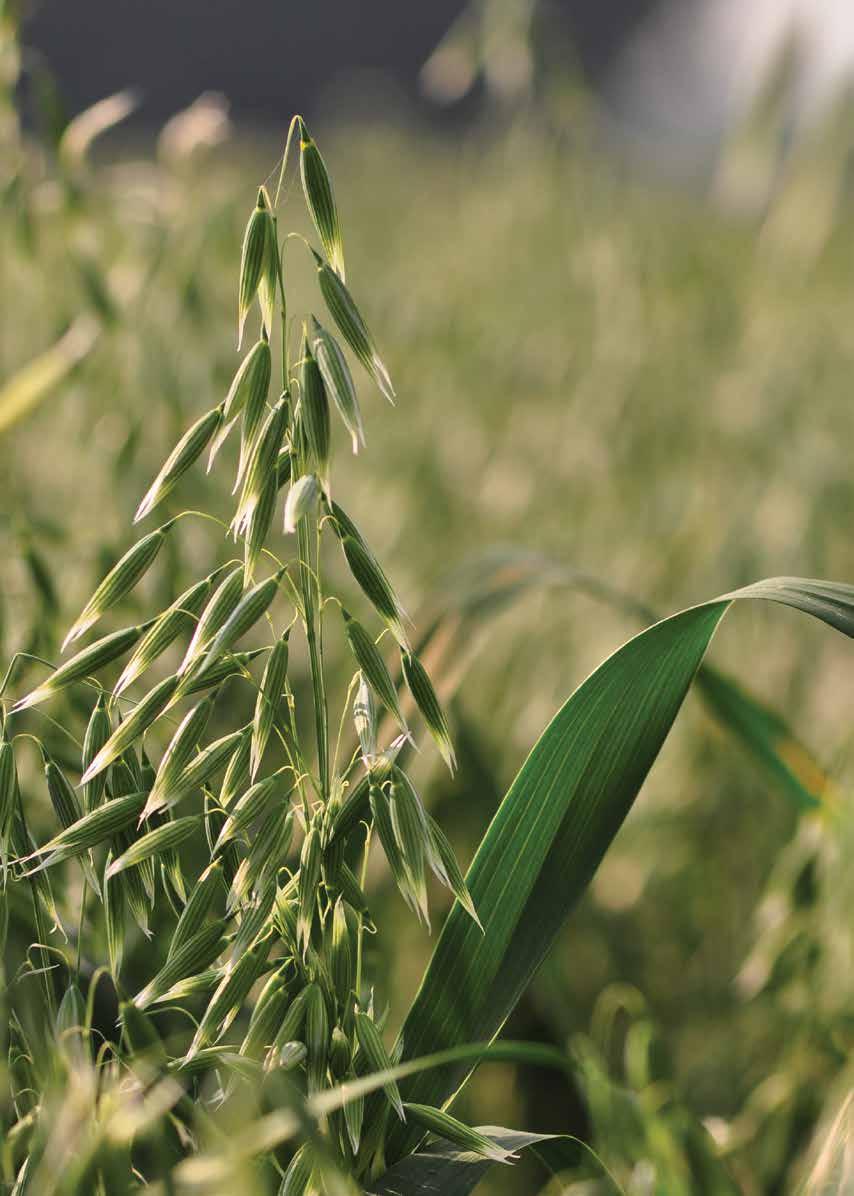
[[593, 373]]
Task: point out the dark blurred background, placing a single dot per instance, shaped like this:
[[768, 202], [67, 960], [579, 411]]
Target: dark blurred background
[[270, 59], [672, 78]]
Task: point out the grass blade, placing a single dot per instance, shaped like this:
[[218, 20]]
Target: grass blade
[[558, 819]]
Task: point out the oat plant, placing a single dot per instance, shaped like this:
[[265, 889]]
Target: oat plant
[[285, 820], [256, 1056]]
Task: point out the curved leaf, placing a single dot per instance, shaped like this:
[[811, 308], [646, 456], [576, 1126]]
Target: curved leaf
[[491, 581], [556, 822]]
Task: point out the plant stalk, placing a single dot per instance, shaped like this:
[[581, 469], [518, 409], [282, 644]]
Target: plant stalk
[[321, 718], [308, 584]]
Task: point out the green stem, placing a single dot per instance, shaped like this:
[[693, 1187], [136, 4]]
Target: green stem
[[361, 931], [309, 581], [47, 972], [301, 771], [321, 719], [21, 656], [80, 924]]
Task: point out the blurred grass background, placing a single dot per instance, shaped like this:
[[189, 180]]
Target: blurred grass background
[[648, 384]]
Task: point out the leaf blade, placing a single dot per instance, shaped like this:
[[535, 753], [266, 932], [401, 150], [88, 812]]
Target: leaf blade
[[556, 822]]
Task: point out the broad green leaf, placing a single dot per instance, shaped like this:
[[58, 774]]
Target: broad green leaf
[[556, 822]]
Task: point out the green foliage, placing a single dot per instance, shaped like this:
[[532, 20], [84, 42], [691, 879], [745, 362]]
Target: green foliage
[[294, 918], [643, 343]]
